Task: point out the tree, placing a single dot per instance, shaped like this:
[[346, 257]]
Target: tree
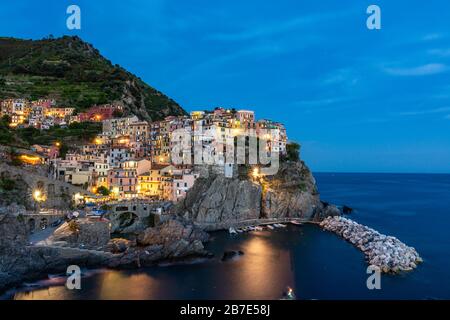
[[63, 150], [117, 113], [15, 161], [5, 121], [103, 191], [293, 151], [7, 184]]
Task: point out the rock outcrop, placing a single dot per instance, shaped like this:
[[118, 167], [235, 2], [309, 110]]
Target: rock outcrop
[[175, 238], [292, 192], [13, 231], [217, 199], [171, 231], [83, 233], [217, 202]]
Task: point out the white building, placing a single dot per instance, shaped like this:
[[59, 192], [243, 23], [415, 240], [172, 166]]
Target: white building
[[118, 126]]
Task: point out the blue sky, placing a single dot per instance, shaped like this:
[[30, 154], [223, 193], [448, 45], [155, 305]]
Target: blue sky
[[357, 100]]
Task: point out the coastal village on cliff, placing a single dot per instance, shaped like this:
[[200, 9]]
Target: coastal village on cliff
[[123, 182], [137, 181]]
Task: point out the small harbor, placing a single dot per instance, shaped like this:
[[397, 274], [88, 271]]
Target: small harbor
[[263, 226]]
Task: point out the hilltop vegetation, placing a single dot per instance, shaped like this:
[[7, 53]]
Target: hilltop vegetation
[[75, 74], [73, 134]]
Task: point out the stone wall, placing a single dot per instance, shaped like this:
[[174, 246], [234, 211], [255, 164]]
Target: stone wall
[[57, 194]]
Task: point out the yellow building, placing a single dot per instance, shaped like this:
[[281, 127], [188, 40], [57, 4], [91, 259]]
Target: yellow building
[[59, 112], [153, 182]]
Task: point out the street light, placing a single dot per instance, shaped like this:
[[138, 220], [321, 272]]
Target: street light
[[115, 192], [38, 196]]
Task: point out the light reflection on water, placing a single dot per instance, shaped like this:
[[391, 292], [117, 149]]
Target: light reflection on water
[[263, 272]]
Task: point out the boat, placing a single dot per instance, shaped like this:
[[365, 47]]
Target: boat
[[297, 223], [281, 225], [288, 294], [270, 227], [239, 230], [232, 230], [258, 228], [251, 228]]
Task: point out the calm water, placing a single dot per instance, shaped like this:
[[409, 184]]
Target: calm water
[[317, 264]]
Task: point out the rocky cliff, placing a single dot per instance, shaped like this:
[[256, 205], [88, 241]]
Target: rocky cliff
[[216, 202], [85, 233], [292, 192]]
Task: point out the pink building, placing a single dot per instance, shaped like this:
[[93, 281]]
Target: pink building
[[99, 113], [122, 182], [49, 152], [181, 184]]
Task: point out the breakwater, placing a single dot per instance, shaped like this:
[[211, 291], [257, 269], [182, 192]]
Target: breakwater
[[387, 252]]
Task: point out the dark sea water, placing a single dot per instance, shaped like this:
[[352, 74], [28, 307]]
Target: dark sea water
[[316, 264]]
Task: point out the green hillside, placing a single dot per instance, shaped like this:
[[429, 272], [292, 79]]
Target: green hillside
[[75, 74]]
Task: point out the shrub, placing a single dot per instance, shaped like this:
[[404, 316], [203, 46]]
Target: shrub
[[7, 184], [103, 191], [293, 151]]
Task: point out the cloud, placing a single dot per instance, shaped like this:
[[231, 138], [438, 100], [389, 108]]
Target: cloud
[[432, 36], [341, 76], [424, 70], [272, 29], [261, 31], [423, 112], [440, 52], [319, 102]]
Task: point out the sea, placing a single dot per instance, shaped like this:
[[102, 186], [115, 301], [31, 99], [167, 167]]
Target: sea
[[316, 264]]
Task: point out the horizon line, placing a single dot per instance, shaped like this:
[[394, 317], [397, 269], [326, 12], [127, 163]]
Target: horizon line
[[379, 172]]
